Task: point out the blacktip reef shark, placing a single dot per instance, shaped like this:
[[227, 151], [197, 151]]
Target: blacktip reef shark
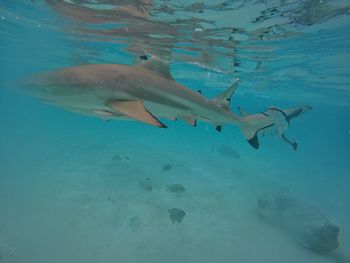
[[147, 92]]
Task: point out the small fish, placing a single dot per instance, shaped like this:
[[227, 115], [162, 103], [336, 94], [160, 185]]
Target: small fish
[[111, 199], [166, 167], [176, 215], [176, 188], [146, 185], [118, 157]]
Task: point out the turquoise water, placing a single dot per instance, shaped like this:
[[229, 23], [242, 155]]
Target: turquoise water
[[75, 188]]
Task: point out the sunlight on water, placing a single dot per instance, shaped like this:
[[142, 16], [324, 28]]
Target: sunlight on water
[[80, 183]]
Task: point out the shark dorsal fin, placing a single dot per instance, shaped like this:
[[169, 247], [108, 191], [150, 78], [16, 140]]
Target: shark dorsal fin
[[224, 98], [159, 66]]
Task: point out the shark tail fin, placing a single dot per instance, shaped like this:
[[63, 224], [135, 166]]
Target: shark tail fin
[[224, 98], [253, 124]]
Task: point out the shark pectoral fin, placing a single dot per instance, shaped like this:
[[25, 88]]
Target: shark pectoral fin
[[136, 110], [190, 120], [294, 144], [295, 112]]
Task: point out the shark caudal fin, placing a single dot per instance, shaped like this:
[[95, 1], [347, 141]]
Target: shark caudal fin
[[251, 125]]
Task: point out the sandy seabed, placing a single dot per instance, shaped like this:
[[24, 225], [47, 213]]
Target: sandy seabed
[[76, 189]]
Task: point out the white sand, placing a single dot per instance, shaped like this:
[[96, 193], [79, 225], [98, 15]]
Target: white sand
[[64, 198]]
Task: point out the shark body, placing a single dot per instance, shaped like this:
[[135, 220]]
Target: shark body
[[145, 92]]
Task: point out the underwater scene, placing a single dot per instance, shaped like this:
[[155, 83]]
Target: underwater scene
[[152, 131]]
